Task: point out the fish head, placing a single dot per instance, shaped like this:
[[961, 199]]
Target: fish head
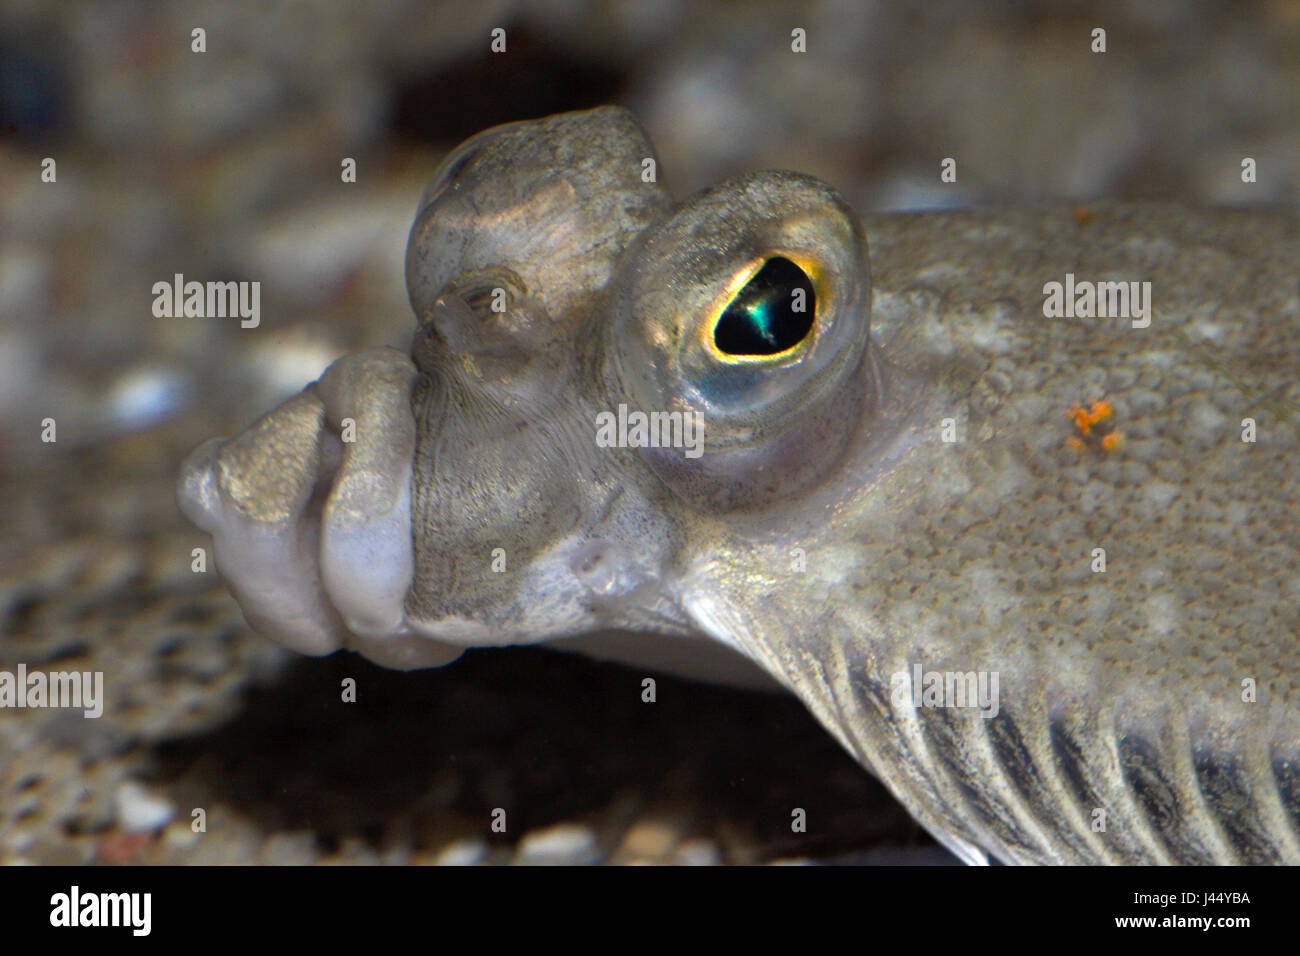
[[595, 370]]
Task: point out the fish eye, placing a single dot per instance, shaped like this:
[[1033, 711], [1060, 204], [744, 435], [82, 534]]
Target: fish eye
[[748, 307], [771, 314]]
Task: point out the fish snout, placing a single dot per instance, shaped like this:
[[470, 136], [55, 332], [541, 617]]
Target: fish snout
[[310, 513]]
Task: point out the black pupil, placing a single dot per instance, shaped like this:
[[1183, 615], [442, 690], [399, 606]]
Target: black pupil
[[772, 313]]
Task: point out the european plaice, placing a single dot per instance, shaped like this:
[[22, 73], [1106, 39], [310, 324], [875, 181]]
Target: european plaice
[[1006, 497]]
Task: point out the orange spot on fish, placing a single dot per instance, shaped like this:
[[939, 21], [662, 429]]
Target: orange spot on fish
[[1087, 422]]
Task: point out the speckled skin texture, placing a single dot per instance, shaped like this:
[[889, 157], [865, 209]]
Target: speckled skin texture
[[1120, 691], [830, 534]]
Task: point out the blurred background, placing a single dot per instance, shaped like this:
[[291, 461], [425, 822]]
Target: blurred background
[[226, 165]]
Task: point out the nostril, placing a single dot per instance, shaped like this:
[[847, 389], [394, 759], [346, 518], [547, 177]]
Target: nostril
[[489, 313], [456, 324]]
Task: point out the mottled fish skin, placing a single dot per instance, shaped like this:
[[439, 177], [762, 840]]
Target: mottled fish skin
[[829, 532], [1120, 691]]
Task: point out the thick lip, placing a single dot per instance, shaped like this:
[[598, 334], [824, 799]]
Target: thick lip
[[270, 567], [274, 573], [310, 511]]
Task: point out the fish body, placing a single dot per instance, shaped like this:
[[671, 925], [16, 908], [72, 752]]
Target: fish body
[[1007, 498]]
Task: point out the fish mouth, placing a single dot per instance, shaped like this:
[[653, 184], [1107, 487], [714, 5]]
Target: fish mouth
[[310, 514]]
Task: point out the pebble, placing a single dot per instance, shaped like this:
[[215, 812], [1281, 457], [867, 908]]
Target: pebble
[[648, 840], [466, 852], [139, 811], [144, 396], [290, 849], [698, 852], [182, 837], [564, 844]]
